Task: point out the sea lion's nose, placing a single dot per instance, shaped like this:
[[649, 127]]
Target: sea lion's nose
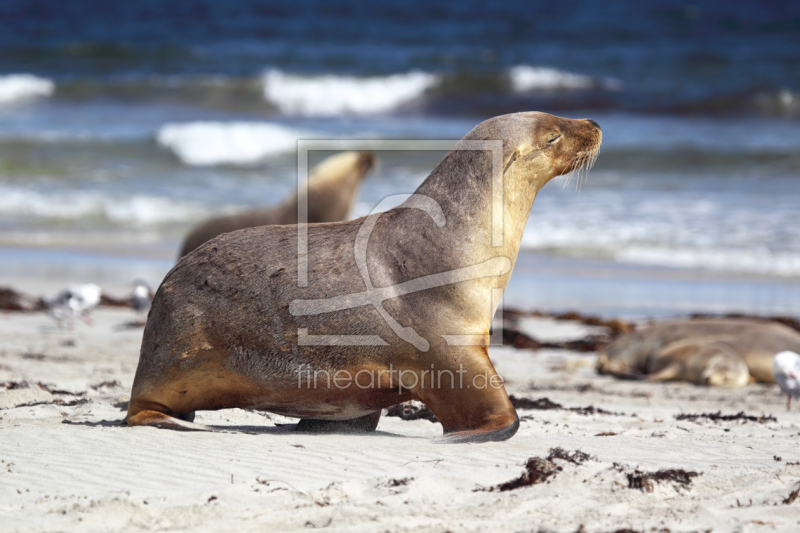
[[593, 123]]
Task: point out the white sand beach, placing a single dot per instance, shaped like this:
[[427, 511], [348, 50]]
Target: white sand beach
[[67, 465]]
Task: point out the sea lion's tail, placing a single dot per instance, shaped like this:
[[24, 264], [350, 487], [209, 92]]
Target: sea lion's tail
[[147, 413], [163, 420]]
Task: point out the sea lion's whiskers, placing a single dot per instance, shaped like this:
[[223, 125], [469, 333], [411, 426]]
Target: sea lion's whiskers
[[568, 176], [575, 165], [583, 163], [578, 165]]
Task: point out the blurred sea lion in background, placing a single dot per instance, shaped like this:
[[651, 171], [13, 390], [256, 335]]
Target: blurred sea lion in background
[[705, 361], [701, 351], [332, 188]]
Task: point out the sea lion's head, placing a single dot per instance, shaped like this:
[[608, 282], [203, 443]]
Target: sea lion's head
[[718, 365], [342, 167], [366, 162], [541, 146], [725, 370]]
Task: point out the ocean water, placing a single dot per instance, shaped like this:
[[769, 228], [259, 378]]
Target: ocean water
[[123, 124]]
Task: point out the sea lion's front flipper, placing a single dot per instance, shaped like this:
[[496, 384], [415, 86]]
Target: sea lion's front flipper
[[484, 434], [665, 374], [364, 424], [472, 405]]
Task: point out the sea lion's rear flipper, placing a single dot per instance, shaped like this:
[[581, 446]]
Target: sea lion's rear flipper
[[364, 424], [163, 420], [470, 401]]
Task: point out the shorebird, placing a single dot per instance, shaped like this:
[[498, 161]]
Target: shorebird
[[142, 296], [74, 302], [787, 375]]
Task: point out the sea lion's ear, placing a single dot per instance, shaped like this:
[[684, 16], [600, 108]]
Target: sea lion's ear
[[511, 160]]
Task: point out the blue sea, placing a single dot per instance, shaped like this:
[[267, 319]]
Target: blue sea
[[122, 124]]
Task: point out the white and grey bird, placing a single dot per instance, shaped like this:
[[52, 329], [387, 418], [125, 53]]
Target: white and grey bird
[[142, 296], [787, 375], [73, 303]]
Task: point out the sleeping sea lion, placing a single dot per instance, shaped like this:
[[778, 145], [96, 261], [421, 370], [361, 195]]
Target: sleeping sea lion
[[651, 349]]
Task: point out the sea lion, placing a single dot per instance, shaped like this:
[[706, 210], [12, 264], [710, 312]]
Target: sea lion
[[705, 362], [396, 306], [755, 341], [332, 188]]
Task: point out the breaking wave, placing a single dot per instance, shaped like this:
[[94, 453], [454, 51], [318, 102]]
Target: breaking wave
[[741, 233], [333, 95], [526, 78], [236, 143], [16, 87], [137, 210], [752, 261]]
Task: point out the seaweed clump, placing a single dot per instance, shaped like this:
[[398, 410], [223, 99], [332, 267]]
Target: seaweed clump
[[521, 341], [792, 496], [11, 300], [644, 481], [719, 417], [539, 470], [545, 404]]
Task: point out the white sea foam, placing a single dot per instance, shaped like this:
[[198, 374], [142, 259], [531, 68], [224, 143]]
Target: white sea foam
[[15, 87], [526, 78], [137, 210], [673, 229], [238, 143], [755, 261], [331, 95]]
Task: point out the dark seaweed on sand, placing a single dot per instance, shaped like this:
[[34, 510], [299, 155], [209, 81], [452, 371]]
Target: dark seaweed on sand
[[412, 411], [719, 417], [111, 301], [520, 340], [591, 343], [538, 470], [399, 482], [418, 411], [644, 480], [60, 402], [615, 326], [11, 300], [792, 496], [577, 457], [11, 385], [545, 404]]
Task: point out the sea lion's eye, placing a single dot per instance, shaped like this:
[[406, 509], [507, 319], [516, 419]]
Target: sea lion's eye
[[553, 138]]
